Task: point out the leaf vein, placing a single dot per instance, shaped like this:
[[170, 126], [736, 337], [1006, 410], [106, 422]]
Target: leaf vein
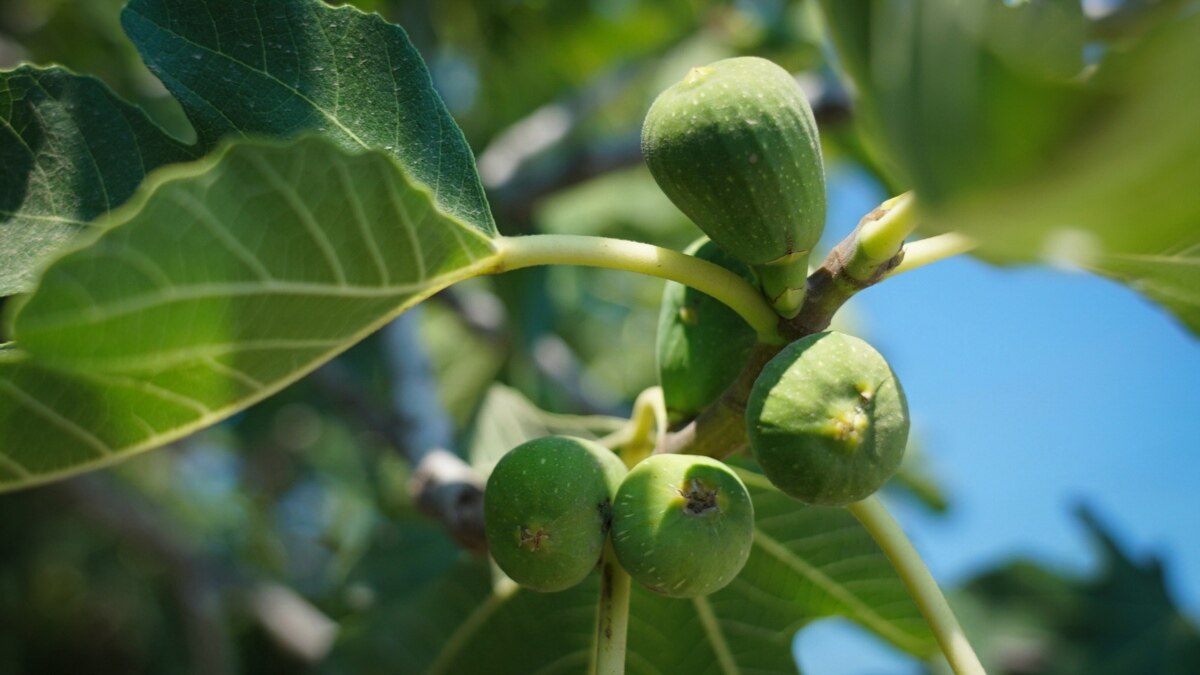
[[302, 211], [712, 629], [851, 601], [55, 418]]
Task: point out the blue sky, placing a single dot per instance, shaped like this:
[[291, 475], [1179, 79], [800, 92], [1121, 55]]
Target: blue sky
[[1033, 389]]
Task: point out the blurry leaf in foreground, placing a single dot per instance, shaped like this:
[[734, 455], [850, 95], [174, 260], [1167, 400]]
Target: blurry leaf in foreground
[[1123, 620], [985, 111]]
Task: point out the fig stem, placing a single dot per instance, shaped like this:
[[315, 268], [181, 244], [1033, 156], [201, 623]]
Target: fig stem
[[932, 249], [664, 263], [920, 583], [612, 616], [635, 440]]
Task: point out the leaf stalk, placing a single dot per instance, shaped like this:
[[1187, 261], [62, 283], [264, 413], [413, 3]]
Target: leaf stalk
[[664, 263], [920, 583], [932, 249]]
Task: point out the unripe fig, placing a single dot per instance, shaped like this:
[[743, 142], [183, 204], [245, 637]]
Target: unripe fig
[[682, 525], [702, 344], [827, 420], [547, 508], [735, 146]]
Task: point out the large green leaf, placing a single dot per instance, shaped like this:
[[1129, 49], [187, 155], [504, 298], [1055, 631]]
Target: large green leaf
[[281, 67], [807, 563], [220, 282], [70, 150], [986, 110]]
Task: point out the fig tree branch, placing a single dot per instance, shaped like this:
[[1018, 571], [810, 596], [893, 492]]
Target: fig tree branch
[[719, 430]]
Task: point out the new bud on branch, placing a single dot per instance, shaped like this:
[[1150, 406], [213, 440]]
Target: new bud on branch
[[735, 147]]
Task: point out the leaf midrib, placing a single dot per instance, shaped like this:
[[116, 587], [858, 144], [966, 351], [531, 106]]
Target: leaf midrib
[[857, 605]]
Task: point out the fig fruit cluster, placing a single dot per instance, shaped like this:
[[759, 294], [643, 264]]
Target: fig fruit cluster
[[826, 419], [680, 525], [735, 147]]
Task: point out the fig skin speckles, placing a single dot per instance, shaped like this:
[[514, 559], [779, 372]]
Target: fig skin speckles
[[827, 420], [683, 525], [547, 508]]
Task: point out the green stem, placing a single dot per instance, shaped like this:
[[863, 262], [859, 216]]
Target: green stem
[[635, 441], [880, 239], [633, 256], [612, 617], [916, 577], [930, 250]]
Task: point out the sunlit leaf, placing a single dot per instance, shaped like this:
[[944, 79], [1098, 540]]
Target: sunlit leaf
[[220, 282], [70, 150]]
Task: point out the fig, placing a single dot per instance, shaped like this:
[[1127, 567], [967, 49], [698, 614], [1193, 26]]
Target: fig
[[547, 507], [734, 145], [682, 524], [702, 344], [827, 420]]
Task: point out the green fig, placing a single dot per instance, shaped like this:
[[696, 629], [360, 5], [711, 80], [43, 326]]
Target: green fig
[[702, 344], [735, 146], [547, 508], [682, 525], [827, 420]]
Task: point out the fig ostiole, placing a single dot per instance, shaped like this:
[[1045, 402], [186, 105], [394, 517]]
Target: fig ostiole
[[547, 509], [734, 145], [682, 525], [827, 420], [702, 344]]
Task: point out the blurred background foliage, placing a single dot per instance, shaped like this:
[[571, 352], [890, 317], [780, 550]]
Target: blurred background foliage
[[284, 540]]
